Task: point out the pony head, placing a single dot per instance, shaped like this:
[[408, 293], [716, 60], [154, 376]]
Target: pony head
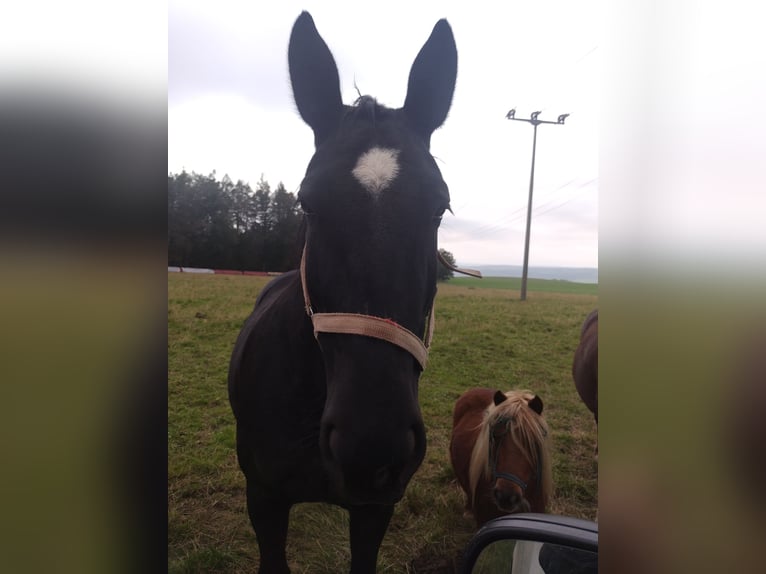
[[512, 452]]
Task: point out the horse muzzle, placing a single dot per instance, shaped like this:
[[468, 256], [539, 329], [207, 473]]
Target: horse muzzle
[[371, 469], [510, 498]]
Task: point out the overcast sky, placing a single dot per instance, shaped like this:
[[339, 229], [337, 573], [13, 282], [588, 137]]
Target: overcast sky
[[231, 110]]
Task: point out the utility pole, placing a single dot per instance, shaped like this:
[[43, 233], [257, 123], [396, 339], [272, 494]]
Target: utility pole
[[511, 115]]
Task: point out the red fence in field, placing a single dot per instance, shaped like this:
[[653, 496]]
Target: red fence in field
[[203, 271]]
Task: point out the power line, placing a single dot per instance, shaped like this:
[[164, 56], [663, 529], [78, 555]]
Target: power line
[[505, 223], [502, 222], [539, 213]]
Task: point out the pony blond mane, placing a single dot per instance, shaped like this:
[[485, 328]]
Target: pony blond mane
[[529, 433]]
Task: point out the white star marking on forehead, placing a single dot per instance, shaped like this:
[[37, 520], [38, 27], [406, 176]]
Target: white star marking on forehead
[[376, 169]]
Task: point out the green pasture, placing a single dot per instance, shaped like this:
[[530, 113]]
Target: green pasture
[[484, 336], [514, 283]]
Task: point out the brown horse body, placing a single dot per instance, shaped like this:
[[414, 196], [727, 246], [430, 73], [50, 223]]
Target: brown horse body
[[585, 363], [499, 451]]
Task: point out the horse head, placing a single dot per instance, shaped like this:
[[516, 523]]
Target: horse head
[[373, 198], [513, 452]]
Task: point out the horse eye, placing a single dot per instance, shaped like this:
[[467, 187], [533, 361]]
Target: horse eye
[[305, 208]]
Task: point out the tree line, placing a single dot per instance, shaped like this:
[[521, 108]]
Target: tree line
[[221, 224]]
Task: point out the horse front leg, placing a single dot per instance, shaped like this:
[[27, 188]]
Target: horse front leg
[[368, 525], [269, 518]]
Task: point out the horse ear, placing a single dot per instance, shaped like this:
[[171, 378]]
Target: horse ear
[[536, 404], [432, 82], [499, 397], [314, 78]]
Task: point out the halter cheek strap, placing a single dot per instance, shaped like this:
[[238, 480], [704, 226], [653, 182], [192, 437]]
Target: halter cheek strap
[[368, 325], [507, 475]]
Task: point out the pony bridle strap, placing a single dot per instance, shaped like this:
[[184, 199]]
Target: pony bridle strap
[[506, 475], [369, 325]]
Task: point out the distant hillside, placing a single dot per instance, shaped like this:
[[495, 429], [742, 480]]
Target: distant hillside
[[514, 284], [575, 274]]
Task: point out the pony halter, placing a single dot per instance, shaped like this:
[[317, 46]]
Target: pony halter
[[369, 325], [494, 446]]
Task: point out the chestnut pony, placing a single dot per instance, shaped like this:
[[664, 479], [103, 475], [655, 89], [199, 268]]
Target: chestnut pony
[[500, 452], [323, 379]]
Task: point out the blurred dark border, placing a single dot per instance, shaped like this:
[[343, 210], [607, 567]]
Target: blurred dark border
[[83, 167], [83, 236]]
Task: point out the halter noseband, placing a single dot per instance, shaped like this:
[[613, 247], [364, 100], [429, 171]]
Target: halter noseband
[[368, 325], [376, 327], [506, 475]]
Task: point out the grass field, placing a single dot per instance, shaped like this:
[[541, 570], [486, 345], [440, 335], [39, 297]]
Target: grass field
[[514, 283], [484, 336]]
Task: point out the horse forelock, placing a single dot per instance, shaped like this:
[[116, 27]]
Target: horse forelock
[[365, 107], [528, 431]]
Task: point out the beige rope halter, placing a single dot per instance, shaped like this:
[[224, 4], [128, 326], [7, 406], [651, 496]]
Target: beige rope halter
[[376, 327]]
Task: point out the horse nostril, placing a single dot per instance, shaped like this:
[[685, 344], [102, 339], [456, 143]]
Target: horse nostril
[[412, 441], [332, 442], [381, 477], [506, 499]]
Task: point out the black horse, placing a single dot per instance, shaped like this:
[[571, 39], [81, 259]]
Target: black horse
[[324, 376]]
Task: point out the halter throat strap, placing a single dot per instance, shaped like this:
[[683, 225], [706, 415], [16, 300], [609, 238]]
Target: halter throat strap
[[463, 270], [368, 325]]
